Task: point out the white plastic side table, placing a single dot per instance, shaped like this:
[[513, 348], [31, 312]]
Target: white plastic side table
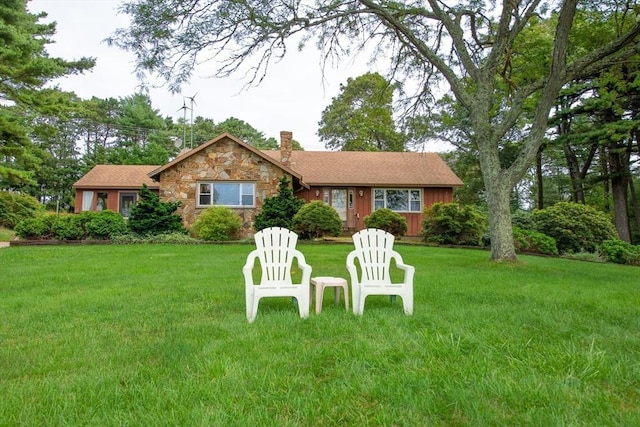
[[330, 282]]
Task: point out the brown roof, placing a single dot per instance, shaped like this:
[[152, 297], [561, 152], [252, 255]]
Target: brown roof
[[365, 168], [118, 177]]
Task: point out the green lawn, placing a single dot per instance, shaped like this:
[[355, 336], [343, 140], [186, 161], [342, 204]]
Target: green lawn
[[6, 235], [156, 335]]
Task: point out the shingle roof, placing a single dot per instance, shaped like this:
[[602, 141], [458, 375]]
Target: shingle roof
[[371, 168], [118, 177]]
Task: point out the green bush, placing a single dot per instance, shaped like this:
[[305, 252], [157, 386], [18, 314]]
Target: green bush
[[151, 216], [620, 252], [40, 227], [574, 226], [533, 242], [453, 223], [387, 220], [105, 225], [15, 207], [315, 220], [279, 210], [70, 227], [217, 223], [523, 220]]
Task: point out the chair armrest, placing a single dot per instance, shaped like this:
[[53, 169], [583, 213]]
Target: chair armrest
[[247, 270], [302, 264], [409, 270], [351, 267]]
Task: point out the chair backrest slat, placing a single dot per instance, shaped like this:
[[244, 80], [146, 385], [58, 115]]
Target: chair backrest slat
[[276, 248], [373, 249]]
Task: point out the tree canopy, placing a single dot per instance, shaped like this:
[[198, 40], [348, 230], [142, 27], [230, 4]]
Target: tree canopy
[[478, 49], [360, 118], [25, 68]]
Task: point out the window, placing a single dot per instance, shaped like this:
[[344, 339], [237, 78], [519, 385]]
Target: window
[[87, 200], [398, 200], [232, 194], [127, 200], [101, 203]]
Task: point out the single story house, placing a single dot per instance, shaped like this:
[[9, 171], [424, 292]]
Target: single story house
[[227, 171]]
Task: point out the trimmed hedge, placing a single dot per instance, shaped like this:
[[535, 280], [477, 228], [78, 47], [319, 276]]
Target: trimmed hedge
[[217, 223], [453, 224], [85, 225], [315, 220], [387, 220]]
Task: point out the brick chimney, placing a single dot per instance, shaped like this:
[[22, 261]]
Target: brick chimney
[[285, 147]]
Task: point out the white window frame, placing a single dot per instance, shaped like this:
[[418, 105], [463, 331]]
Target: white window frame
[[409, 200], [243, 187]]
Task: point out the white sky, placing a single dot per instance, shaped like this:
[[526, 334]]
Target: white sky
[[291, 97]]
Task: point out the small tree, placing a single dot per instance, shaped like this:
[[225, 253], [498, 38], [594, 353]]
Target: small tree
[[151, 216], [279, 210], [316, 219]]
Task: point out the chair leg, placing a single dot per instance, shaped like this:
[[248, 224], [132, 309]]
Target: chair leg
[[252, 309], [407, 304]]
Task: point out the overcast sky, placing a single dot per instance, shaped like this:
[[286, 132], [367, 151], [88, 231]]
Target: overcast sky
[[291, 97]]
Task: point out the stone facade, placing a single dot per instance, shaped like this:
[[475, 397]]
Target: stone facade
[[226, 161]]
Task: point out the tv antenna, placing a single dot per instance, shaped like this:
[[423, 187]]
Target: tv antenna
[[184, 109], [192, 99]]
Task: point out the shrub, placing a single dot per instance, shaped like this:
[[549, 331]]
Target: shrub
[[15, 207], [533, 242], [39, 227], [105, 225], [151, 216], [279, 210], [387, 220], [315, 220], [523, 220], [620, 252], [453, 223], [69, 227], [217, 223], [575, 227]]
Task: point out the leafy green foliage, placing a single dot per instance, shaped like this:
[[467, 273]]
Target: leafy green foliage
[[151, 216], [246, 132], [25, 68], [217, 223], [15, 207], [105, 224], [533, 242], [620, 252], [574, 226], [360, 118], [453, 224], [279, 210], [387, 220], [39, 227], [315, 220]]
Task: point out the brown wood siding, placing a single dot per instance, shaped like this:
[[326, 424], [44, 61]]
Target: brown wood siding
[[437, 194]]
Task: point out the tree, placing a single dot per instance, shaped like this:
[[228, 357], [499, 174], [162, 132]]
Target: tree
[[150, 216], [473, 46], [25, 68], [360, 118], [246, 133], [279, 210]]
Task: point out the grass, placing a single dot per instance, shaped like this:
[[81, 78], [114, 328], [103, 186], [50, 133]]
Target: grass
[[157, 335], [6, 235]]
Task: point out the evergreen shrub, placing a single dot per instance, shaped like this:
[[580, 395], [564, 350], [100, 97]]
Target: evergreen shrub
[[387, 220], [217, 223], [620, 252], [533, 242], [315, 219], [151, 216], [279, 210], [105, 224], [575, 227], [453, 224]]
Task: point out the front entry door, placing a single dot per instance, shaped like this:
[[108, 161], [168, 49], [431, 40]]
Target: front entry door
[[339, 203]]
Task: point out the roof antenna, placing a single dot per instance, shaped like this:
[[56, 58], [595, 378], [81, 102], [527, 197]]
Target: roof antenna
[[193, 102]]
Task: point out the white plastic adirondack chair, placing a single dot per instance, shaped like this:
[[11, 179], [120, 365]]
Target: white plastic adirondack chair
[[374, 252], [276, 249]]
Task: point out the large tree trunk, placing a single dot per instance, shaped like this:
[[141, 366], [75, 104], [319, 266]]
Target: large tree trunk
[[498, 188], [619, 170]]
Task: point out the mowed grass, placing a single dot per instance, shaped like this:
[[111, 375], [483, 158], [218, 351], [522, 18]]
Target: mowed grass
[[157, 335], [6, 234]]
